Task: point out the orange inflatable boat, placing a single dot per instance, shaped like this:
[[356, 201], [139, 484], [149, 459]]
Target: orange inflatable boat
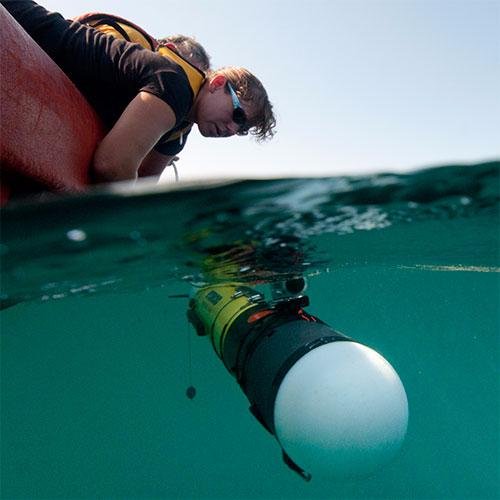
[[48, 131]]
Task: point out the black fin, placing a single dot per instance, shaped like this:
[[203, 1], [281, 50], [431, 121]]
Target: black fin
[[301, 472]]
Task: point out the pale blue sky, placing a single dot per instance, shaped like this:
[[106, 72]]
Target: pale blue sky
[[358, 86]]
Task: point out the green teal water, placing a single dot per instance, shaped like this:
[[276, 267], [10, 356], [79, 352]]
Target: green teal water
[[96, 353]]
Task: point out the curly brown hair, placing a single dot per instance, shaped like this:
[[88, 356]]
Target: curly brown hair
[[248, 87]]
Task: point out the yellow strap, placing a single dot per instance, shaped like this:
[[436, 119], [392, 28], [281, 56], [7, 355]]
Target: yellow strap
[[195, 76], [133, 35]]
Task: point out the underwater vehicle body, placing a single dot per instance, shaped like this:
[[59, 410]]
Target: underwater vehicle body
[[335, 406]]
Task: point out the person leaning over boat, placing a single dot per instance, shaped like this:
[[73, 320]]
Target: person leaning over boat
[[186, 47], [142, 96]]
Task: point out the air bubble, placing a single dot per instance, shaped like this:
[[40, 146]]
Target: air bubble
[[76, 235]]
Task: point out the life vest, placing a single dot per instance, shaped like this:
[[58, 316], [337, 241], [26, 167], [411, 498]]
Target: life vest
[[123, 29], [196, 79], [119, 28]]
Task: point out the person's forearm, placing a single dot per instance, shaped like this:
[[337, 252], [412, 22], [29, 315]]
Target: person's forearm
[[154, 164], [107, 167]]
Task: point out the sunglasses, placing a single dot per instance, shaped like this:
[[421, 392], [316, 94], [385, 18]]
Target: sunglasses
[[239, 116]]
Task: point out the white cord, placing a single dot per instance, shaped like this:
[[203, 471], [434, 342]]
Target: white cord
[[175, 170]]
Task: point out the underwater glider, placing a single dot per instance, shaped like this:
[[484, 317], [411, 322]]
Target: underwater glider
[[335, 406]]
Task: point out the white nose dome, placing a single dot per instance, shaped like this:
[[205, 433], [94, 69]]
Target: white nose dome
[[341, 410]]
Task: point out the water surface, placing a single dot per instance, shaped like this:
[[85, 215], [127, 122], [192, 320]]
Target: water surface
[[97, 354]]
